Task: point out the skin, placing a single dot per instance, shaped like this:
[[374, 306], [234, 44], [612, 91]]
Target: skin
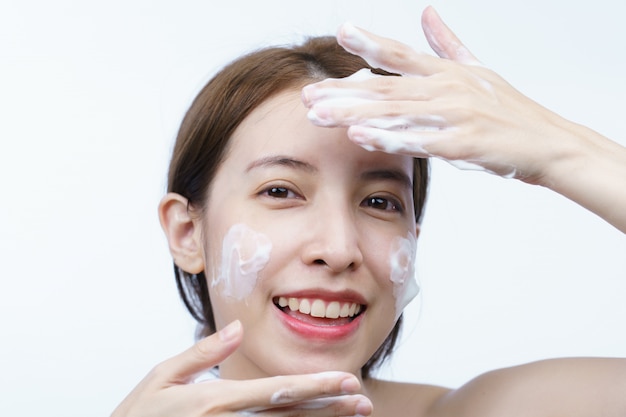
[[458, 110], [366, 201], [540, 148], [348, 250]]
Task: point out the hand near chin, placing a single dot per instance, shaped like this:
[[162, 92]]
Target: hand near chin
[[169, 389], [450, 107]]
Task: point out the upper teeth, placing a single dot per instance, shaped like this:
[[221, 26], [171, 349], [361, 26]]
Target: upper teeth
[[320, 308]]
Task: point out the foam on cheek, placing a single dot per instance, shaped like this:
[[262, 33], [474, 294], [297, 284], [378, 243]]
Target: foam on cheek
[[402, 274], [244, 253]]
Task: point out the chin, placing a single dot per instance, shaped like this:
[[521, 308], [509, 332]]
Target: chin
[[315, 365]]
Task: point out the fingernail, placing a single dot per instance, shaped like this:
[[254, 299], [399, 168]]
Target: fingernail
[[350, 385], [364, 408], [230, 331], [360, 135], [307, 95], [304, 96], [355, 40], [319, 116], [350, 35]]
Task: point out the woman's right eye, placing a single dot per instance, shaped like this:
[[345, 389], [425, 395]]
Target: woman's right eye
[[278, 192]]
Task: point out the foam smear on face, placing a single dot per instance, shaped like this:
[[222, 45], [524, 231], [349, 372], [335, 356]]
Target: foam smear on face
[[402, 274], [244, 253]]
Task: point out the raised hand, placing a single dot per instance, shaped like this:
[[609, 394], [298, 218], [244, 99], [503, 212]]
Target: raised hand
[[169, 389], [453, 108], [450, 107]]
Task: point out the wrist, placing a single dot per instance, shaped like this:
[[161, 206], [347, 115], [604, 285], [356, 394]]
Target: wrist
[[590, 170], [571, 149]]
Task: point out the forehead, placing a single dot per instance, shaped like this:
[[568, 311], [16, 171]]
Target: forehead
[[280, 126]]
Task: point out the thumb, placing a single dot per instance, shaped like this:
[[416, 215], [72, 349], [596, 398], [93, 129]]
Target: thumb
[[205, 354], [443, 41]]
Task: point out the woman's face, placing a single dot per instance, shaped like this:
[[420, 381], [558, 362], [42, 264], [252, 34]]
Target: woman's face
[[309, 240]]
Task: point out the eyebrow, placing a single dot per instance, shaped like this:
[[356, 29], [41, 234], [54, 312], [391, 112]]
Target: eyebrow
[[281, 160], [395, 175]]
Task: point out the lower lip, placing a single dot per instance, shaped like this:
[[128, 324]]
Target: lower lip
[[311, 331]]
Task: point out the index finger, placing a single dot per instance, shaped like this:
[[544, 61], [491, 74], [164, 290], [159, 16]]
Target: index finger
[[387, 54], [203, 355], [281, 390]]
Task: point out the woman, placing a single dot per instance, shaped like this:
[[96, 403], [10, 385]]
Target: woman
[[297, 245]]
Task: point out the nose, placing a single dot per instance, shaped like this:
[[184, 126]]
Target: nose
[[333, 240]]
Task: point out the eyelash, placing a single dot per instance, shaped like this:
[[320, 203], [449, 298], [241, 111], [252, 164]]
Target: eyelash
[[391, 204], [284, 193]]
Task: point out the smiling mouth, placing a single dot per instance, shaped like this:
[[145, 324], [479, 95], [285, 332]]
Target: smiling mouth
[[319, 312]]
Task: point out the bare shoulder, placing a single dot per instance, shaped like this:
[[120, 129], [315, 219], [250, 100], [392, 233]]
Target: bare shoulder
[[403, 399], [575, 387]]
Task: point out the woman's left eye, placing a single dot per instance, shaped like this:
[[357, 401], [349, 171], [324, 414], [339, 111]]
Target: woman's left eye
[[381, 203], [279, 192]]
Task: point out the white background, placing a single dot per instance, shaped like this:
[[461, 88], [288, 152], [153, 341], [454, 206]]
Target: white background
[[91, 94]]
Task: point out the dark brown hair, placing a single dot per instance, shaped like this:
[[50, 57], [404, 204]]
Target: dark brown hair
[[217, 111]]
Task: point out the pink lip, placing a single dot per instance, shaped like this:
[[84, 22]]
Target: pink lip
[[323, 332], [311, 331]]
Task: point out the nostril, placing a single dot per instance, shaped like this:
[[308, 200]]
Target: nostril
[[324, 263]]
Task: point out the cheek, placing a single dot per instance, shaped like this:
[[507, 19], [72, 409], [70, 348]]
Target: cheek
[[245, 253], [402, 271]]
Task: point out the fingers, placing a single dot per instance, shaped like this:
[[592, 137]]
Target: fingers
[[202, 356], [365, 85], [170, 389], [443, 41], [324, 394], [429, 111], [406, 142], [395, 103], [289, 390], [396, 57], [353, 405], [390, 115], [387, 54]]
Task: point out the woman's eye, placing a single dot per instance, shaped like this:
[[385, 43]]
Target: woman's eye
[[381, 203], [279, 192]]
